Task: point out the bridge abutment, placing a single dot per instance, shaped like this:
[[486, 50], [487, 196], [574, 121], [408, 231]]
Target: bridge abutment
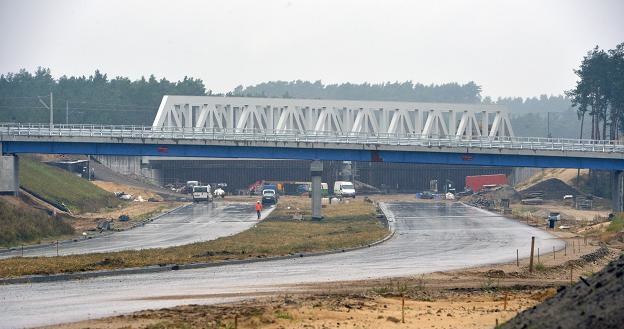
[[617, 194], [9, 174]]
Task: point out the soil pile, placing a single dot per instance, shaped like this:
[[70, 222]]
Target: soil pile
[[553, 188], [495, 194], [595, 302]]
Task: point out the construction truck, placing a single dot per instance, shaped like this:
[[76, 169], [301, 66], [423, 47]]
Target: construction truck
[[202, 193]]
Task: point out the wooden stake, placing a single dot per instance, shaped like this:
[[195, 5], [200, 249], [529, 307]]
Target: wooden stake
[[565, 249], [531, 259], [402, 308], [57, 248], [236, 321], [517, 258], [554, 253], [505, 303], [579, 246]]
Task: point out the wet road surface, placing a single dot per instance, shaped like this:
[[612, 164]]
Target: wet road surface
[[429, 237], [193, 223]]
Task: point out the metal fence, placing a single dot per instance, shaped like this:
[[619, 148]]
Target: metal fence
[[121, 131]]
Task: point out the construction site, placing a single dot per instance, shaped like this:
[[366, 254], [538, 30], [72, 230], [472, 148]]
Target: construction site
[[579, 263]]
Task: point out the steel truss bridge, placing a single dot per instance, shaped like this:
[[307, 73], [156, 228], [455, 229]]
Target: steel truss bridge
[[247, 127], [334, 117], [266, 128]]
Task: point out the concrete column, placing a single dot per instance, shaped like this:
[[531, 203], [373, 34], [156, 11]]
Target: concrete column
[[316, 170], [9, 174], [617, 192]]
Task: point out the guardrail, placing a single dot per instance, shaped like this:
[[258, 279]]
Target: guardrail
[[263, 135]]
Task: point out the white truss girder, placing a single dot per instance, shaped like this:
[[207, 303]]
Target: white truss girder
[[340, 117]]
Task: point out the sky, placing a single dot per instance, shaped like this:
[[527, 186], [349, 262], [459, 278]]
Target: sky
[[510, 48]]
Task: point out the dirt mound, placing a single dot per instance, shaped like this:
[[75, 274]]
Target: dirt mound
[[595, 302], [495, 194], [553, 188]]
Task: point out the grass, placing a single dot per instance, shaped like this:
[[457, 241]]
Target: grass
[[21, 225], [345, 226], [617, 224], [540, 267], [56, 185]]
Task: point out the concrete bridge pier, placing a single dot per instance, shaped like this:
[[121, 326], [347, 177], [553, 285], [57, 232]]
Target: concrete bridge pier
[[316, 171], [617, 194], [9, 174]]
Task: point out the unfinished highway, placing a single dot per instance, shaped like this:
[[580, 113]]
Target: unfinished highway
[[428, 237], [193, 223]]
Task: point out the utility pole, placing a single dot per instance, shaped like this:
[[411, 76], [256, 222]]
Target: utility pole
[[66, 112], [549, 136], [51, 108], [51, 111]]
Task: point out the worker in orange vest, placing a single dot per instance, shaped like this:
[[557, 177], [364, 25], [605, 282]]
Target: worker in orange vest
[[258, 209]]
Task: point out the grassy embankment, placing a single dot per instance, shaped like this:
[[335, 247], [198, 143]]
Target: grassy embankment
[[56, 185], [344, 226], [19, 225]]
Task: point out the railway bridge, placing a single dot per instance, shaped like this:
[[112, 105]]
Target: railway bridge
[[267, 128]]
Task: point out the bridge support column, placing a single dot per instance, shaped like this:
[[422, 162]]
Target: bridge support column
[[316, 170], [617, 194], [9, 174]]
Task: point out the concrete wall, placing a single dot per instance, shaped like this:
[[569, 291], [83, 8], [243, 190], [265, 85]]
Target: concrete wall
[[9, 174], [135, 166], [521, 175]]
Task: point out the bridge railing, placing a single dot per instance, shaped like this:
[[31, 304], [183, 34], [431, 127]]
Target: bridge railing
[[239, 134]]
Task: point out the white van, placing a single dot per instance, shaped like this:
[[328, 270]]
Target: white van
[[344, 189], [202, 193]]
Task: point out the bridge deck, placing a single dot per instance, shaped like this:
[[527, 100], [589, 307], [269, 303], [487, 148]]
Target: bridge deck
[[285, 144]]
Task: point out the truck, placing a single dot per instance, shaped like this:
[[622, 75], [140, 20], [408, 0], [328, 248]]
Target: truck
[[269, 196], [324, 190], [344, 189], [202, 193], [188, 188]]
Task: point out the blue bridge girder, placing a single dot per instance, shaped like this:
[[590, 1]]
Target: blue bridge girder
[[263, 144]]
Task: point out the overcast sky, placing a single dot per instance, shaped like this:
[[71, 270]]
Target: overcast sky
[[510, 48]]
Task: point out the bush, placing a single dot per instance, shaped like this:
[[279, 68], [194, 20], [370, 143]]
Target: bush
[[617, 224], [25, 225]]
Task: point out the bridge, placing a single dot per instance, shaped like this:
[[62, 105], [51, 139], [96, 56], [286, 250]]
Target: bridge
[[237, 127]]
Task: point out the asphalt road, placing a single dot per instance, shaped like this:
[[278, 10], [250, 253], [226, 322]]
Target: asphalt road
[[429, 237], [197, 222]]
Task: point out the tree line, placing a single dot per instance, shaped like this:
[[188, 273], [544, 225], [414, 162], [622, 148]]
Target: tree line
[[87, 99], [389, 91], [102, 100], [599, 92]]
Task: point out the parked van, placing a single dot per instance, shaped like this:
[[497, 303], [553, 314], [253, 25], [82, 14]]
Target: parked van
[[344, 189], [202, 193], [324, 190]]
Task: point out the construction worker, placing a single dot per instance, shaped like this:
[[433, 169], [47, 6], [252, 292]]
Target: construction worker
[[258, 209]]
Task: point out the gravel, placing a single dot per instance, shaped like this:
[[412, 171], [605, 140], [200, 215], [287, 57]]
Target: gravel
[[553, 188], [593, 302]]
